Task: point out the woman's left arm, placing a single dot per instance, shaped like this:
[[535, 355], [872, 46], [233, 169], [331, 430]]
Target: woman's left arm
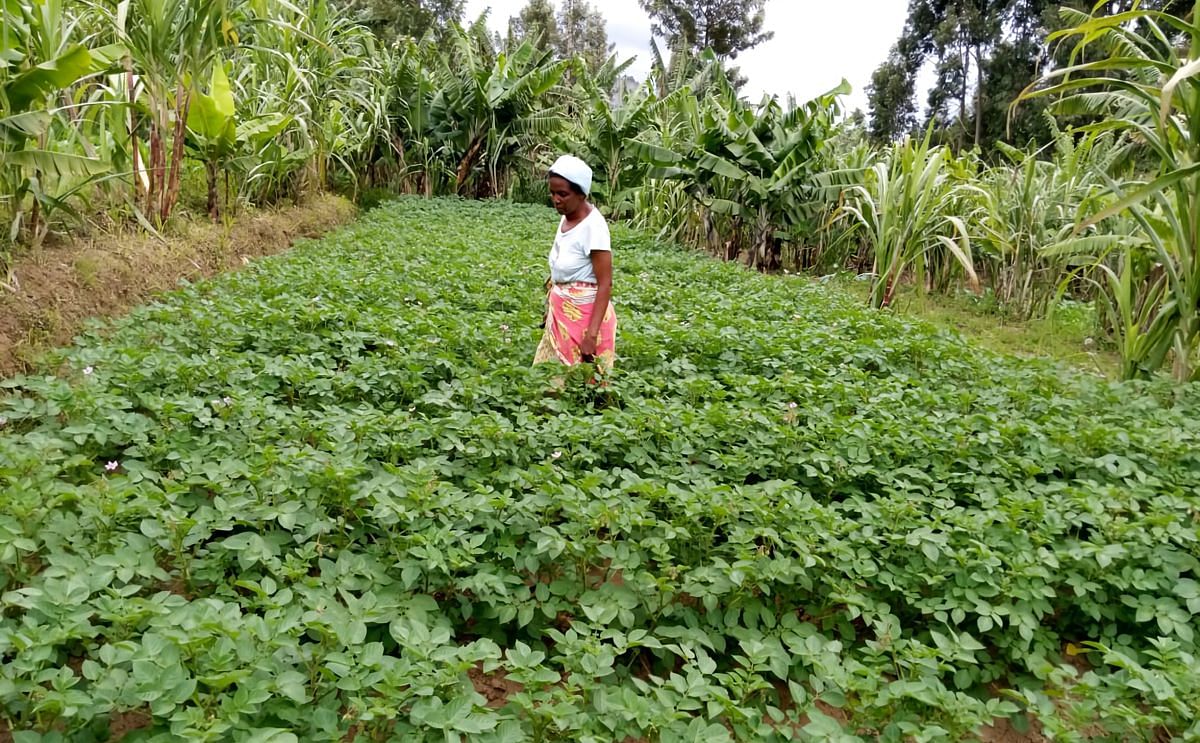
[[602, 265]]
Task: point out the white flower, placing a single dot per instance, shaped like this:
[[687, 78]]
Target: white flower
[[87, 370], [3, 421], [556, 455], [792, 406], [227, 400], [112, 466], [504, 328], [390, 344]]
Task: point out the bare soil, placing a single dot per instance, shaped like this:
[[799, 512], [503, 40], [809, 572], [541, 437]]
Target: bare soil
[[1002, 731], [495, 687], [53, 290]]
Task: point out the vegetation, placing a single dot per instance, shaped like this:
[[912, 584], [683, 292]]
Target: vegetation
[[982, 54], [576, 31], [328, 496], [111, 107], [396, 19], [726, 27]]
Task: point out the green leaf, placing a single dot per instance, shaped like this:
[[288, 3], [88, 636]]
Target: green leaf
[[73, 65], [268, 735], [60, 164]]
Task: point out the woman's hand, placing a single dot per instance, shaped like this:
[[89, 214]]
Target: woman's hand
[[587, 344]]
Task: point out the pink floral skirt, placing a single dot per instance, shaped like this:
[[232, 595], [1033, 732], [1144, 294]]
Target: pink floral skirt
[[568, 316]]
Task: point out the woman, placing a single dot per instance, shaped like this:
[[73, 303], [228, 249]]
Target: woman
[[580, 322]]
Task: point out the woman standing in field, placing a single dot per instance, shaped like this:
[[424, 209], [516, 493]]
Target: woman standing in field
[[580, 322]]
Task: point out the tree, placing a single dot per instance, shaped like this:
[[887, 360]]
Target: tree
[[535, 24], [983, 53], [890, 97], [582, 32], [577, 29], [391, 19], [728, 27]]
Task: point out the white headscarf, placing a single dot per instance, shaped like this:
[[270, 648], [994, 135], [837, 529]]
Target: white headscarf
[[574, 170]]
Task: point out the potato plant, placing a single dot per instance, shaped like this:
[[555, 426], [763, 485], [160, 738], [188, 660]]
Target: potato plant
[[328, 498]]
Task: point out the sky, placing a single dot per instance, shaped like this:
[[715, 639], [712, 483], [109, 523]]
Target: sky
[[816, 43]]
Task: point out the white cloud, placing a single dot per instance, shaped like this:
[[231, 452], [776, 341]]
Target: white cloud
[[816, 43]]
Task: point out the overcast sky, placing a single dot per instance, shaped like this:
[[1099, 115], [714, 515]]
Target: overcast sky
[[816, 44]]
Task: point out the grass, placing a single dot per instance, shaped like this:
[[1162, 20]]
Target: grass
[[1069, 337]]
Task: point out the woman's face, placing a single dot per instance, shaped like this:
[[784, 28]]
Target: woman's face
[[566, 200]]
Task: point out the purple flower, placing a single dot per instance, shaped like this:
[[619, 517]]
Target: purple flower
[[111, 467]]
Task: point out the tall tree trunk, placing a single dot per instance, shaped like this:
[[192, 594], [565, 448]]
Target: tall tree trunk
[[155, 166], [182, 104], [978, 96], [962, 98]]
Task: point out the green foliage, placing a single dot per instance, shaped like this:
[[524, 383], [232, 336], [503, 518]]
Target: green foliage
[[535, 23], [901, 209], [398, 19], [217, 135], [751, 169], [270, 94], [890, 95], [122, 103], [40, 60], [726, 27], [1027, 243], [983, 54], [329, 496], [1146, 82], [582, 33]]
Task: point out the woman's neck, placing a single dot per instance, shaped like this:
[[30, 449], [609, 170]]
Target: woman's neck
[[579, 214]]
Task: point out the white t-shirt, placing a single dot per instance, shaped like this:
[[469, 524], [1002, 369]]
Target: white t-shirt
[[571, 255]]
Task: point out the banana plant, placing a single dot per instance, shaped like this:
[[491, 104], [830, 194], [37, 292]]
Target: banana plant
[[753, 167], [422, 166], [492, 106], [41, 57], [217, 136], [171, 44], [607, 130]]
